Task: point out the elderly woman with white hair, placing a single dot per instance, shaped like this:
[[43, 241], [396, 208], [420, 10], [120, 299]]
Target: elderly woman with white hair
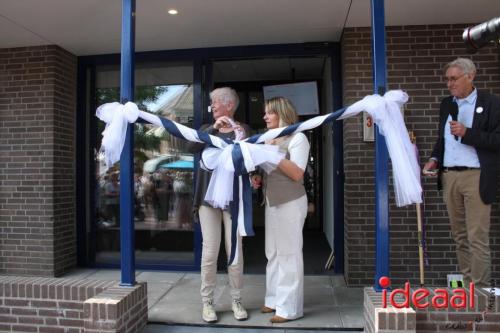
[[224, 102]]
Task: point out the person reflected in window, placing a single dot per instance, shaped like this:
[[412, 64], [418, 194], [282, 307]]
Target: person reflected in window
[[112, 195], [224, 102], [138, 198], [285, 213], [183, 188], [163, 195]]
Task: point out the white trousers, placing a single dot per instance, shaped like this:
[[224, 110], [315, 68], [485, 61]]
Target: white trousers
[[285, 265], [211, 220]]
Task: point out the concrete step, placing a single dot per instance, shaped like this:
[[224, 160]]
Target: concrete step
[[156, 328]]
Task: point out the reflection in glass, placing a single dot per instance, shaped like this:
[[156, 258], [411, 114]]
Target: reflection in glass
[[163, 179]]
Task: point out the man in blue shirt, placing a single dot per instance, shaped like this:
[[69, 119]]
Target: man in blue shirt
[[465, 158]]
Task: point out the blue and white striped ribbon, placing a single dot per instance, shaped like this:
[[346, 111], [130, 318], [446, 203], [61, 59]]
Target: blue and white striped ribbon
[[247, 154], [243, 158]]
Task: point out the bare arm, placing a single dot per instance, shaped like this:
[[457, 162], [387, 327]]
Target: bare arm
[[291, 169], [299, 151]]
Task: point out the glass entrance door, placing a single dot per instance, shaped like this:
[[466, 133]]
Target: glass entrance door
[[249, 77]]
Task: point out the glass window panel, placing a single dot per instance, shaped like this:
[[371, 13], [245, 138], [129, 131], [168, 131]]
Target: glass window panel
[[163, 169], [256, 111]]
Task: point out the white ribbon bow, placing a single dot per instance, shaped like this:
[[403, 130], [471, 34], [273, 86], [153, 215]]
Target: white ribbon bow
[[220, 189], [386, 113], [116, 116]]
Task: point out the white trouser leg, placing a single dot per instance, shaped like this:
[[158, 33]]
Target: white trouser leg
[[271, 232], [285, 270]]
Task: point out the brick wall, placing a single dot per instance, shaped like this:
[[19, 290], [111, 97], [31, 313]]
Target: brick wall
[[386, 320], [49, 305], [415, 57], [117, 309], [37, 203]]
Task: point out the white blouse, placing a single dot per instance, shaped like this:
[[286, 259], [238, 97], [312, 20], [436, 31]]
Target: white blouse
[[299, 150]]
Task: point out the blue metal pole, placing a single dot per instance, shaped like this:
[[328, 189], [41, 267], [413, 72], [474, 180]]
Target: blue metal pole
[[127, 239], [338, 163], [381, 155]]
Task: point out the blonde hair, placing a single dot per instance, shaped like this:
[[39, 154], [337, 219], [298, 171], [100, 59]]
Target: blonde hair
[[285, 110]]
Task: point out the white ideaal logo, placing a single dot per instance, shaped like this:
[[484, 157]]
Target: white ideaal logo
[[479, 109]]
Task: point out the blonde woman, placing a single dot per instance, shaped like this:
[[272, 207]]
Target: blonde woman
[[286, 210]]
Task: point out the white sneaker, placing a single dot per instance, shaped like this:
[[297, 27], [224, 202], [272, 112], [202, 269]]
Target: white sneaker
[[209, 314], [239, 311]]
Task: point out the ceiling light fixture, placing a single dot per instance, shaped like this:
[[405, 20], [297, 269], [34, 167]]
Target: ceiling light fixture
[[173, 11]]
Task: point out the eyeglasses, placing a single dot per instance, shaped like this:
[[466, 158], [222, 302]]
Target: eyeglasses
[[453, 79]]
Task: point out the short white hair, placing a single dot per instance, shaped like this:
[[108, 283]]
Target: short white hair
[[466, 65], [226, 95]]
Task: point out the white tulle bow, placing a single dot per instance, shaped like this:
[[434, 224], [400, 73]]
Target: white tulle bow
[[116, 116], [386, 113]]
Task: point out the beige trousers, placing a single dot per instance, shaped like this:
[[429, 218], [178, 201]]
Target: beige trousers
[[211, 220], [470, 224]]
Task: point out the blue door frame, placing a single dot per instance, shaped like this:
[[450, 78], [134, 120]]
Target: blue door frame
[[201, 59]]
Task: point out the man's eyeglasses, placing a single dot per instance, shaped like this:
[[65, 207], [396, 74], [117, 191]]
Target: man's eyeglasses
[[453, 79]]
